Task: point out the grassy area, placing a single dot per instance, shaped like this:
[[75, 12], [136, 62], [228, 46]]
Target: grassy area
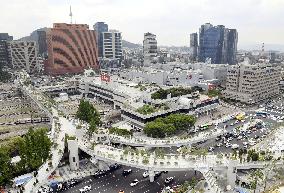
[[20, 127], [146, 109], [214, 93], [175, 92], [121, 132]]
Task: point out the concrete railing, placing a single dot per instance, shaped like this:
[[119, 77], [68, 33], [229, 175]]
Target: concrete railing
[[169, 162], [169, 142]]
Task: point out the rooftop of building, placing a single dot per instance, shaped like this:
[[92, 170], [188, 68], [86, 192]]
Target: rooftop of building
[[73, 26]]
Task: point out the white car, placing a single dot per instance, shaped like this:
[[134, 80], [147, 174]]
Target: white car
[[228, 145], [145, 174], [169, 180], [85, 189], [235, 146], [134, 183]]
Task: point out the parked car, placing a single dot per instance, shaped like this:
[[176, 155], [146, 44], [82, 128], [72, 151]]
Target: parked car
[[85, 189], [145, 174], [235, 146], [114, 167], [127, 172], [134, 183], [169, 180]]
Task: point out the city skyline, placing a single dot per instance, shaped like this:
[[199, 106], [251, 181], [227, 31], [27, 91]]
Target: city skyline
[[257, 21]]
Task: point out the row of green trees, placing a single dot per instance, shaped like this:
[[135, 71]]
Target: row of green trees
[[121, 132], [87, 112], [162, 127], [252, 155], [34, 150], [175, 92], [162, 94]]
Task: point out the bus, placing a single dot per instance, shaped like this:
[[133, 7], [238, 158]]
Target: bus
[[205, 126], [263, 114]]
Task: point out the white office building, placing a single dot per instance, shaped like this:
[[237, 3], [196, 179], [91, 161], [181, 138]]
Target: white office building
[[112, 45], [24, 56], [128, 96], [150, 50], [252, 83], [178, 74]]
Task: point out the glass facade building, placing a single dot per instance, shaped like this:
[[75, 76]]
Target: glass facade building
[[100, 28], [218, 44], [4, 52], [194, 45]]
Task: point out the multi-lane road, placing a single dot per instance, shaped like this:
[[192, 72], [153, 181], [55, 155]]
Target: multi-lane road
[[113, 182], [268, 124]]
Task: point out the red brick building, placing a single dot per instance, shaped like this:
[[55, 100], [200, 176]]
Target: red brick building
[[71, 49]]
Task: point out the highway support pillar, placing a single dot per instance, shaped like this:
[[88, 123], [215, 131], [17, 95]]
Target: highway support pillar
[[151, 175], [73, 154], [231, 174]]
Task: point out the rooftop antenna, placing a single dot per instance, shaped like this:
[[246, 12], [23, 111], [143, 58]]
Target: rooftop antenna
[[262, 51], [262, 48], [71, 15]]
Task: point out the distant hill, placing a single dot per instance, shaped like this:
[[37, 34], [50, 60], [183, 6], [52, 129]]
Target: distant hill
[[33, 36], [275, 47], [130, 45]]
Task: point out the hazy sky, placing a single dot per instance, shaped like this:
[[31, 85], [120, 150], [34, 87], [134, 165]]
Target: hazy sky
[[171, 20]]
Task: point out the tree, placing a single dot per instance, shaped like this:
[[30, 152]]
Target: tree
[[87, 112], [169, 125], [256, 177], [5, 166], [121, 132], [92, 128], [175, 92], [241, 155], [146, 109], [34, 149]]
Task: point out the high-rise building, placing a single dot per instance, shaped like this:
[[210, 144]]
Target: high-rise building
[[112, 45], [100, 28], [252, 83], [42, 44], [39, 36], [217, 43], [71, 48], [232, 46], [150, 49], [194, 45], [24, 55], [4, 52]]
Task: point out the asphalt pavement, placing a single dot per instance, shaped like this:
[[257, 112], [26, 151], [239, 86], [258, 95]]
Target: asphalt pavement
[[254, 134], [113, 182]]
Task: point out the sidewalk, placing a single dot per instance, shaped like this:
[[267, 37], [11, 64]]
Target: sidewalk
[[84, 171]]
